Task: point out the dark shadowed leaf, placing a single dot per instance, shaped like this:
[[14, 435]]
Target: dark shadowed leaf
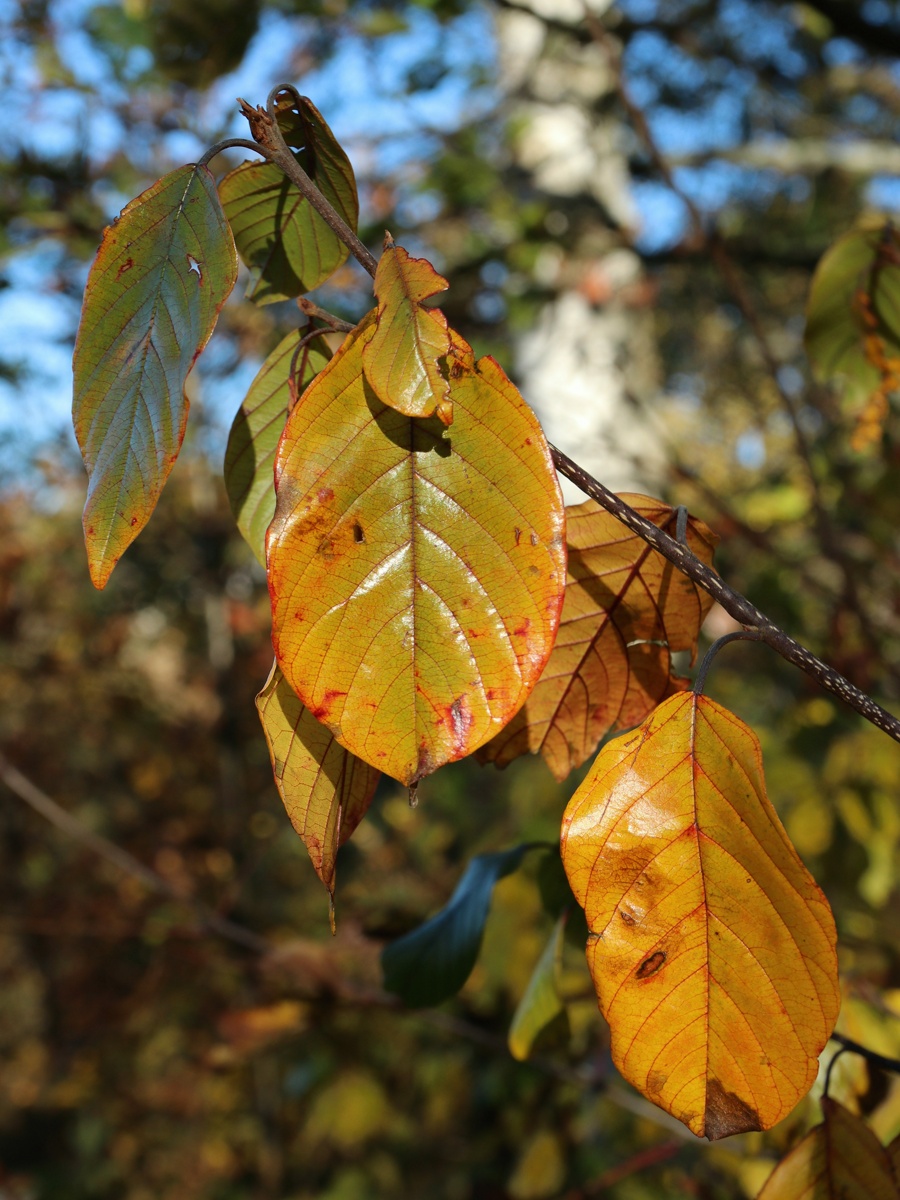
[[278, 234], [250, 457], [434, 961], [162, 273]]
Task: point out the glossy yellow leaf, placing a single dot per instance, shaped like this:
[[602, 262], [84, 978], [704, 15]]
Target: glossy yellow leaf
[[841, 1159], [326, 790], [402, 360], [711, 947], [626, 610], [416, 573]]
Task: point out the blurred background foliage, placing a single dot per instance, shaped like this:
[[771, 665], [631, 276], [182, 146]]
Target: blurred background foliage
[[144, 1056]]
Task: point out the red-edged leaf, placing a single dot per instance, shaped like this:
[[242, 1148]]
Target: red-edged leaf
[[162, 273]]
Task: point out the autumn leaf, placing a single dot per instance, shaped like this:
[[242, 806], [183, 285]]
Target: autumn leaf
[[416, 578], [250, 456], [853, 321], [842, 1158], [162, 273], [431, 963], [711, 947], [627, 609], [402, 360], [326, 791], [278, 233]]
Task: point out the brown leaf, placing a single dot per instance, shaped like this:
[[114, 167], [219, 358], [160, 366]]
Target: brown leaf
[[626, 610]]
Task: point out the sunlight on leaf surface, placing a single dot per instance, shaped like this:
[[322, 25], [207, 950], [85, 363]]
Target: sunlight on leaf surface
[[250, 456], [711, 947], [416, 578], [432, 963], [326, 790], [401, 361], [841, 1158], [278, 232], [162, 273], [626, 610], [541, 1002]]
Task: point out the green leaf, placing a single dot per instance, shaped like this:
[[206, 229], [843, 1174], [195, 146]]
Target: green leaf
[[541, 1002], [862, 263], [162, 273], [250, 456], [277, 231], [432, 963]]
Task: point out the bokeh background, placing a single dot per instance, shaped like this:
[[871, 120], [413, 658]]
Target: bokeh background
[[629, 200]]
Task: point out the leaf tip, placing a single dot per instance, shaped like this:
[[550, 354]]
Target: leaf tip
[[727, 1114]]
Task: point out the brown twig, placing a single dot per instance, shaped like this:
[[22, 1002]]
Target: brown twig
[[73, 828]]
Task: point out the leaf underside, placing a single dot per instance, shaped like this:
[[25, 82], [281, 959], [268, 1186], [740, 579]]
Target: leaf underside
[[162, 273], [626, 610], [541, 1002], [250, 456], [711, 947], [416, 578], [842, 1158], [326, 790], [278, 233]]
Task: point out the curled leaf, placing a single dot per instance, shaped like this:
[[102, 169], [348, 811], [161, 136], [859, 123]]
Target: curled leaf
[[279, 234], [250, 456], [416, 578], [403, 359], [711, 947], [842, 1157], [162, 273], [432, 963], [326, 791], [626, 610]]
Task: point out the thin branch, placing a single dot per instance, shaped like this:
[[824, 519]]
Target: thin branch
[[230, 143], [877, 1060], [73, 828]]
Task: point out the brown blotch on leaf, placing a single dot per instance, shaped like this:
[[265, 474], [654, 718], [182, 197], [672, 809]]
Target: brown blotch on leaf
[[651, 965], [126, 266], [358, 535], [627, 917], [727, 1113]]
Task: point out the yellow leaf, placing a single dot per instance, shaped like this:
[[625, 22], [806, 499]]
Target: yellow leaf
[[711, 947], [626, 609], [402, 359], [416, 578], [839, 1158], [325, 789]]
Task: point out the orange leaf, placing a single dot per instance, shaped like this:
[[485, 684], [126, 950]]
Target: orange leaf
[[416, 579], [326, 790], [711, 947], [401, 361], [842, 1158], [626, 610]]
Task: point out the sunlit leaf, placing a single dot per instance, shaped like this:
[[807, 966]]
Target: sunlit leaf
[[250, 457], [326, 790], [162, 273], [416, 577], [277, 231], [841, 1159], [402, 361], [431, 963], [626, 610], [711, 947], [541, 1002], [853, 320]]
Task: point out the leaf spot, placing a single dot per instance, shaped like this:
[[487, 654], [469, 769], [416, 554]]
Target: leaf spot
[[517, 532], [194, 266], [126, 266], [358, 535], [652, 965]]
